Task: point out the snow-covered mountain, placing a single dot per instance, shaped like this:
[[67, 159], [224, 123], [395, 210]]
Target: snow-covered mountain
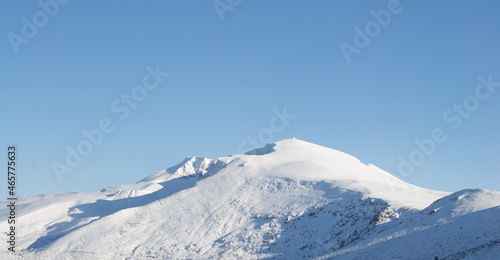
[[288, 200]]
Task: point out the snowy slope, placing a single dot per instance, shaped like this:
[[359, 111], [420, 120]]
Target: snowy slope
[[290, 199]]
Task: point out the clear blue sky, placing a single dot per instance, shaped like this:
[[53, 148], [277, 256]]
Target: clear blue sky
[[227, 76]]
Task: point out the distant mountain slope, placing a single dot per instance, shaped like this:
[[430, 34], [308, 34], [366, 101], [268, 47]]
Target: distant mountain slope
[[290, 199]]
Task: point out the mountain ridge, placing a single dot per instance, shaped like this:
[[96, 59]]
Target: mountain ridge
[[287, 199]]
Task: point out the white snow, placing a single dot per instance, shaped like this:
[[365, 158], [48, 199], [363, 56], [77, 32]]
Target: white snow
[[289, 199]]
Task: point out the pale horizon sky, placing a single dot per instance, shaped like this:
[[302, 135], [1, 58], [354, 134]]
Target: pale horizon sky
[[412, 70]]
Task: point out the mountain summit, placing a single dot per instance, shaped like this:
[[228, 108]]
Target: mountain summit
[[289, 199]]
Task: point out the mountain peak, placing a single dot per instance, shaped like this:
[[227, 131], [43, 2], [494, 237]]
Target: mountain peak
[[301, 160], [289, 146], [466, 201]]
